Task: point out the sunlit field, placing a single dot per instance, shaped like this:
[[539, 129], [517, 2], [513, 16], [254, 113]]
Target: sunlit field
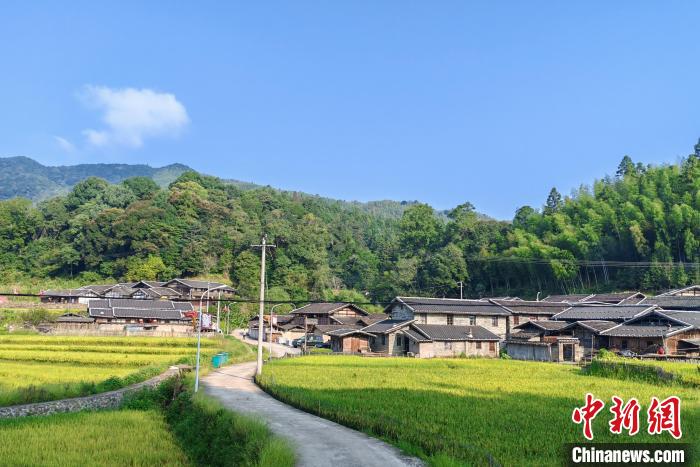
[[124, 437], [40, 368], [464, 410]]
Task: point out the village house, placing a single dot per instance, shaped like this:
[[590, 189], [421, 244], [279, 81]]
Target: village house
[[196, 289], [657, 328], [410, 338], [523, 311], [560, 349], [167, 316], [67, 296], [451, 312], [327, 313], [284, 328], [348, 341], [535, 330]]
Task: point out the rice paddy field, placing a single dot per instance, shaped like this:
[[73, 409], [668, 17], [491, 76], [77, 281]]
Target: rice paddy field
[[37, 368], [123, 437], [465, 411]]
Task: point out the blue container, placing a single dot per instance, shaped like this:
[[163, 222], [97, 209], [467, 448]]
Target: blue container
[[225, 355], [217, 360]]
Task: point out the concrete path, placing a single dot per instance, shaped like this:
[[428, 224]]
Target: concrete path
[[278, 350], [318, 442]]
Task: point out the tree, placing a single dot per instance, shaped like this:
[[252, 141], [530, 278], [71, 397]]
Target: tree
[[141, 187], [626, 167], [419, 229], [553, 202]]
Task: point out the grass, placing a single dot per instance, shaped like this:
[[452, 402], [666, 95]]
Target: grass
[[609, 364], [210, 434], [124, 437], [41, 368], [455, 412]]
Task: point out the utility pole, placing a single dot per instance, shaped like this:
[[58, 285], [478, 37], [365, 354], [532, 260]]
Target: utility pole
[[261, 312], [218, 311], [461, 286], [199, 338]]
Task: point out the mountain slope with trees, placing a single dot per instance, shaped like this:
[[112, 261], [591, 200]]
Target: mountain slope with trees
[[639, 229]]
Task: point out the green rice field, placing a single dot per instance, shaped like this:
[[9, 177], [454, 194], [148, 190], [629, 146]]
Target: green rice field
[[461, 411], [37, 368], [124, 437]]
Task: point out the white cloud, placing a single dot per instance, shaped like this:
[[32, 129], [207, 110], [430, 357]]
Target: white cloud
[[64, 144], [132, 115]]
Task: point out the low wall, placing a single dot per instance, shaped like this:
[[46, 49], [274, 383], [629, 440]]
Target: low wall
[[105, 400]]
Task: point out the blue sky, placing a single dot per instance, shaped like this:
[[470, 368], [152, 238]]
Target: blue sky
[[443, 102]]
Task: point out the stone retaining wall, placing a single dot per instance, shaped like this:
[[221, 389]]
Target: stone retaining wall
[[105, 400]]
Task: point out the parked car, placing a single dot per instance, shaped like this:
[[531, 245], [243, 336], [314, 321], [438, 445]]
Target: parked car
[[627, 353], [311, 341]]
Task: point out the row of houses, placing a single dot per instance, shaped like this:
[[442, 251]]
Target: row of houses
[[174, 289], [557, 328], [117, 314]]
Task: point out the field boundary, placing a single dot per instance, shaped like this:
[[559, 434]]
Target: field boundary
[[104, 400]]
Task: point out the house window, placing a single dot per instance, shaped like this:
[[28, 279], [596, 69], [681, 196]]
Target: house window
[[472, 321], [398, 341], [448, 345], [492, 346], [450, 320], [478, 345], [494, 321], [623, 344], [383, 339], [516, 320]]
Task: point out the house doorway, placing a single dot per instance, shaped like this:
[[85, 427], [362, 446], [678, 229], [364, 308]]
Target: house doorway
[[568, 352]]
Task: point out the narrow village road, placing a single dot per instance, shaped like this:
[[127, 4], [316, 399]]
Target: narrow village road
[[278, 350], [317, 442]]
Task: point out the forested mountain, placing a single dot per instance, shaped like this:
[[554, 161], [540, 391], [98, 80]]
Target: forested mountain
[[25, 177], [637, 229]]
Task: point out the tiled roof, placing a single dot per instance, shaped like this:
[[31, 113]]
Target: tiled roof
[[382, 327], [524, 335], [672, 302], [444, 332], [159, 292], [691, 318], [629, 298], [601, 312], [325, 308], [532, 308], [693, 288], [450, 306], [67, 293], [346, 319], [196, 284], [548, 325], [99, 289], [327, 328], [342, 332], [593, 325], [147, 313], [415, 335], [630, 330], [570, 298], [373, 318]]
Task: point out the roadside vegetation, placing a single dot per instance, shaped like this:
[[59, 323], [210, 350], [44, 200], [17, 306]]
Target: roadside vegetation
[[36, 368], [458, 411], [209, 434]]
